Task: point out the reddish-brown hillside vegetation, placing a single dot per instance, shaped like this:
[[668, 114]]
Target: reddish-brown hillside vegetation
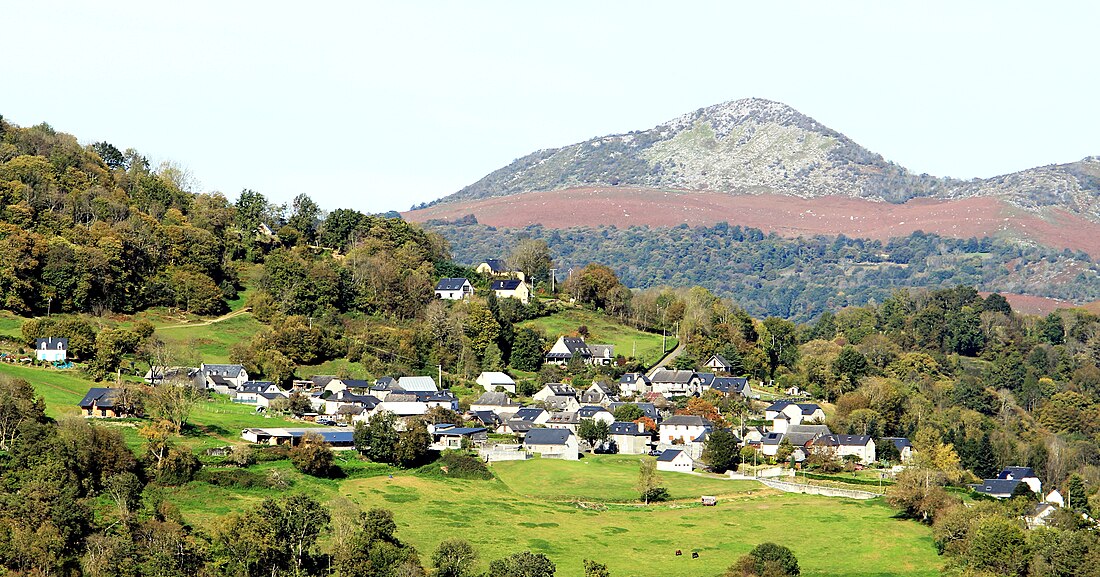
[[785, 215]]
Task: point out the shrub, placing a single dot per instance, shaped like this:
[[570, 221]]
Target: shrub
[[178, 467], [656, 494], [275, 453], [766, 559], [234, 478], [458, 465]]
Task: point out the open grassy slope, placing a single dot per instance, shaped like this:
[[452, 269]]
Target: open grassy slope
[[603, 330], [534, 505], [216, 422]]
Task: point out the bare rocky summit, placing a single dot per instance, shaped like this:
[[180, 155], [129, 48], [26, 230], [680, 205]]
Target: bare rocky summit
[[757, 146]]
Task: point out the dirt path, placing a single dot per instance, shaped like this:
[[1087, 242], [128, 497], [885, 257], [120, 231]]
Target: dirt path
[[224, 317], [671, 356]]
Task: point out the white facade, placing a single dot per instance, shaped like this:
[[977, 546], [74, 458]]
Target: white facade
[[675, 461], [490, 380]]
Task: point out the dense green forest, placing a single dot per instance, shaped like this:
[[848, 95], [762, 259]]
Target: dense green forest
[[795, 278]]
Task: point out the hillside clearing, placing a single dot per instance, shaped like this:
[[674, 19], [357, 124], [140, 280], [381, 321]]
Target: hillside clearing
[[603, 330]]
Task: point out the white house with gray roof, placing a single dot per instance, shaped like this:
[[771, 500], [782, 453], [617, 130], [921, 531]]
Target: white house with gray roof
[[492, 380], [233, 375], [675, 461], [554, 390], [553, 443], [675, 383], [783, 414], [683, 429], [630, 438], [454, 289]]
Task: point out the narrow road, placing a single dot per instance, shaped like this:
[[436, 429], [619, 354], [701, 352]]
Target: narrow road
[[224, 317], [671, 356]]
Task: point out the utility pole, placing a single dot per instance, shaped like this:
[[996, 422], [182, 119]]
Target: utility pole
[[553, 277], [440, 376]]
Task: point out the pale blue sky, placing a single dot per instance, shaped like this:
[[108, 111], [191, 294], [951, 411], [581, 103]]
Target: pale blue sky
[[378, 106]]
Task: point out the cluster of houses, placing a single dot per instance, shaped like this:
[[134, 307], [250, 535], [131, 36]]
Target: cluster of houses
[[505, 283]]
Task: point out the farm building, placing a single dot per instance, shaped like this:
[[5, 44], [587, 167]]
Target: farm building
[[552, 443]]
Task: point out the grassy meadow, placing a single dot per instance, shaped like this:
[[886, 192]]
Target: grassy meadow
[[568, 511], [603, 330]]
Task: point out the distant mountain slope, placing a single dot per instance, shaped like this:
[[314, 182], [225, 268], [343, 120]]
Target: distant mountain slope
[[757, 146]]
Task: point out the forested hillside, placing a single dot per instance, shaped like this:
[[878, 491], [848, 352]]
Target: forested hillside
[[793, 278], [93, 229]]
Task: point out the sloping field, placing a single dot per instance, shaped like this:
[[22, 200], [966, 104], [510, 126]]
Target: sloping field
[[835, 537], [784, 215], [644, 346]]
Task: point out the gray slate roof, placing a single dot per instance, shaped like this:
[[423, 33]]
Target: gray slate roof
[[680, 377], [495, 399], [686, 420], [496, 265], [103, 397], [669, 455], [1016, 473], [510, 284], [450, 284], [547, 437], [996, 486]]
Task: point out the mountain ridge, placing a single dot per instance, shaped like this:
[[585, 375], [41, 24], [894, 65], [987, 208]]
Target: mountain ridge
[[760, 146]]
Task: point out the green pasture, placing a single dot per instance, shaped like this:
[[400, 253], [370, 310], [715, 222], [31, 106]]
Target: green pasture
[[556, 510], [211, 341], [604, 478], [603, 330], [217, 421]]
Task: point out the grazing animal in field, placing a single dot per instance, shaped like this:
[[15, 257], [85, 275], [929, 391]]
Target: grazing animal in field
[[694, 554], [678, 553]]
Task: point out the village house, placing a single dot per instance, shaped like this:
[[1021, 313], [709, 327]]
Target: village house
[[904, 447], [1006, 482], [331, 404], [718, 364], [634, 384], [648, 409], [597, 394], [564, 420], [339, 438], [231, 375], [451, 437], [799, 436], [783, 414], [417, 384], [602, 355], [732, 386], [498, 403], [553, 443], [487, 419], [51, 349], [249, 392], [404, 405], [492, 380], [629, 438], [675, 461], [511, 288], [103, 402], [566, 348], [683, 429], [561, 403], [533, 415], [453, 289], [494, 267], [517, 427], [674, 383], [554, 390], [859, 446], [596, 413]]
